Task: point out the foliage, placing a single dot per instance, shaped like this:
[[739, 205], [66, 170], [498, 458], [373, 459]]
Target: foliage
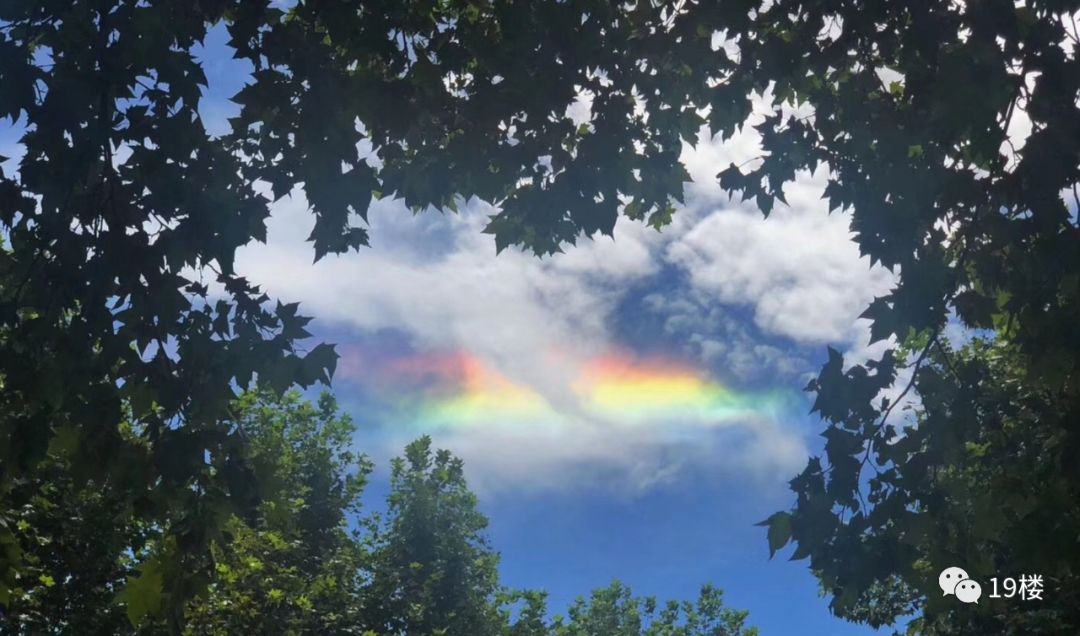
[[423, 567], [292, 568], [124, 205], [432, 571], [73, 537], [614, 611], [125, 211], [910, 106], [980, 476], [297, 569]]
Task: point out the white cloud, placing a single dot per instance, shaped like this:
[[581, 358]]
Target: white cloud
[[436, 278], [709, 331], [799, 269], [627, 461]]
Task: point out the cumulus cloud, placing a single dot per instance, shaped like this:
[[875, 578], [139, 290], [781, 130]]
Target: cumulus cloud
[[715, 334], [437, 279], [579, 455], [799, 270], [753, 302]]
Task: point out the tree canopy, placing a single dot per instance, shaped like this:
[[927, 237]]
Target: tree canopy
[[910, 106], [309, 560], [126, 333], [433, 571]]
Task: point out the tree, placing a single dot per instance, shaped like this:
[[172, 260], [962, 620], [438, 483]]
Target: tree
[[432, 570], [297, 569], [125, 210], [910, 107], [77, 543], [124, 205], [614, 611], [293, 568], [525, 613], [980, 478]]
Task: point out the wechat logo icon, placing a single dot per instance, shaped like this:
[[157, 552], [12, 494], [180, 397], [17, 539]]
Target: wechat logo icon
[[956, 581]]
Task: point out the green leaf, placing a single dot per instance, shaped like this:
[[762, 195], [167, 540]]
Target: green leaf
[[975, 309], [779, 531], [142, 595]]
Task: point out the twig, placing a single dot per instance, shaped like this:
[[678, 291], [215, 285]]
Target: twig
[[945, 356], [900, 398]]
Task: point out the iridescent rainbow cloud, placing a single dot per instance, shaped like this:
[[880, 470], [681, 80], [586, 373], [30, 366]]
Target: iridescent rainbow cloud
[[454, 391], [649, 391]]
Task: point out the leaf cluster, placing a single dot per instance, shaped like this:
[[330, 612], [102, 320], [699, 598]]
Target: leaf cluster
[[308, 561], [911, 107]]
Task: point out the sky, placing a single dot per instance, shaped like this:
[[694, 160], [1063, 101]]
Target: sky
[[627, 409]]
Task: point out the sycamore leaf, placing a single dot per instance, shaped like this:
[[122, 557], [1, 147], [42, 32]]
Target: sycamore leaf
[[142, 595], [779, 531]]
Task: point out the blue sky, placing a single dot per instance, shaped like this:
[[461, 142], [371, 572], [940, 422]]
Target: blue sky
[[577, 496], [748, 303]]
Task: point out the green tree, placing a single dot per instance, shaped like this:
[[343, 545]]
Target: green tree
[[979, 477], [909, 105], [615, 611], [77, 543], [432, 569], [294, 567], [125, 209], [525, 613], [297, 568]]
